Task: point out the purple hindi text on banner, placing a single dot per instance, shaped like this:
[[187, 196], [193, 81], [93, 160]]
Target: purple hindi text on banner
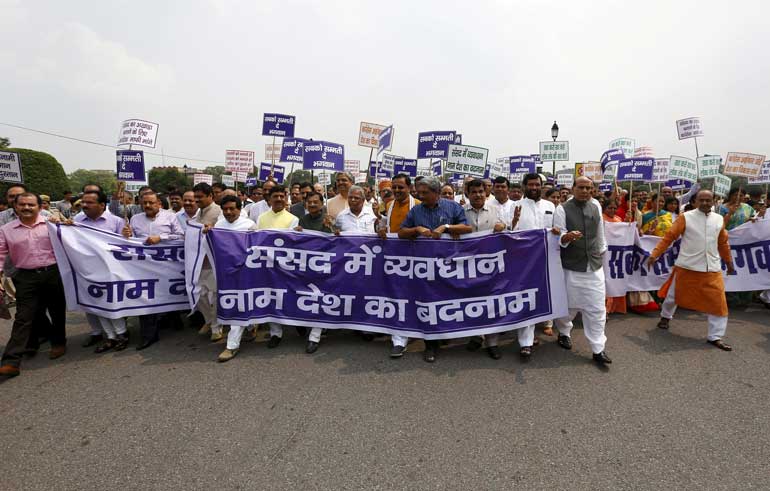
[[405, 166], [635, 169], [322, 155], [130, 165], [291, 150], [434, 144], [278, 125], [610, 155], [251, 182], [522, 164], [678, 184], [278, 172], [385, 139], [508, 280]]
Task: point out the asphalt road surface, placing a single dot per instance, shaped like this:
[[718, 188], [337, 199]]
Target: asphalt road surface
[[671, 412]]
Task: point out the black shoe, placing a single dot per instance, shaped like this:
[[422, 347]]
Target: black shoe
[[397, 351], [146, 344], [494, 352], [474, 343], [564, 341], [429, 355], [302, 331], [105, 346], [602, 358], [121, 343], [311, 347], [92, 341], [368, 336], [663, 323], [273, 342], [526, 352]]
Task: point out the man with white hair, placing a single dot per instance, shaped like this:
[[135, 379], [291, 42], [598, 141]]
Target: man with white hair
[[335, 205]]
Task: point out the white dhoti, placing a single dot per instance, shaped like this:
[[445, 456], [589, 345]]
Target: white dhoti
[[207, 304], [717, 324], [585, 294], [111, 327]]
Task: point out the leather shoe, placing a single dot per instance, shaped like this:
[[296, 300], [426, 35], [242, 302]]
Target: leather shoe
[[105, 346], [91, 341], [311, 347], [525, 352], [564, 341], [494, 352], [146, 344], [397, 351], [474, 344], [121, 343], [602, 358], [273, 342], [429, 355], [9, 371], [663, 323], [56, 352]]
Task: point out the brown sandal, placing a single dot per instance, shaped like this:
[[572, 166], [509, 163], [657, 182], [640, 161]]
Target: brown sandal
[[721, 344]]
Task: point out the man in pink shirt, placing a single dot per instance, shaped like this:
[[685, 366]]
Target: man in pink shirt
[[38, 285]]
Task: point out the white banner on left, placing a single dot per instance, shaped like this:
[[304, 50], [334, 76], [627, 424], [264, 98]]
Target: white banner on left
[[114, 277]]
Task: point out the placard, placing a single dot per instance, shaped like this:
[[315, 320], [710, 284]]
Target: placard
[[369, 135], [722, 185], [10, 167], [360, 177], [273, 151], [352, 167], [611, 155], [322, 155], [130, 165], [591, 170], [266, 168], [385, 140], [138, 132], [278, 125], [405, 166], [678, 184], [388, 162], [240, 176], [239, 161], [228, 181], [764, 175], [610, 171], [660, 170], [292, 150], [250, 182], [434, 144], [644, 152], [635, 169], [743, 164], [708, 166], [626, 145], [683, 168], [324, 178], [554, 151], [467, 160], [500, 167], [689, 128], [436, 168], [521, 164], [564, 179], [207, 178]]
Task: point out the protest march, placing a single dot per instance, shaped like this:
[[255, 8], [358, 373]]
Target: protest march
[[461, 248]]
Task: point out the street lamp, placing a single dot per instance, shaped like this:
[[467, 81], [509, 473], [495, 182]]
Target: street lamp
[[554, 135]]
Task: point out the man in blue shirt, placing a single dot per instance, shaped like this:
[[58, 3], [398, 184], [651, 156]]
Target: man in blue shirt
[[431, 218]]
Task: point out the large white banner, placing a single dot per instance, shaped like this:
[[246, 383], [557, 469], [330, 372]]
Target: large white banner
[[138, 132], [466, 160], [114, 277], [625, 269]]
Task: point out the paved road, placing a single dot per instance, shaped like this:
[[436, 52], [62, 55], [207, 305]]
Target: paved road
[[672, 411]]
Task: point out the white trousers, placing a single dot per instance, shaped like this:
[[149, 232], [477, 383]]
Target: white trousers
[[765, 296], [717, 324], [234, 336], [207, 304], [399, 340], [526, 337], [111, 327], [315, 335], [275, 329], [585, 294]]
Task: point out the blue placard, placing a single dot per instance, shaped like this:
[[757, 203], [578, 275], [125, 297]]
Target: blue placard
[[678, 184], [321, 155], [522, 164], [278, 125], [384, 139], [130, 165], [251, 182], [436, 166], [434, 144], [292, 150], [373, 171], [610, 155], [278, 172], [605, 187], [405, 166], [635, 169]]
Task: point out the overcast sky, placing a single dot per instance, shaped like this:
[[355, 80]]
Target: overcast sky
[[499, 72]]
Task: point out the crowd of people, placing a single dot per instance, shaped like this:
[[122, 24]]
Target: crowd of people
[[410, 208]]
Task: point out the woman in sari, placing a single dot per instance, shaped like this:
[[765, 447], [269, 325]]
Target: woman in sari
[[609, 210], [658, 220]]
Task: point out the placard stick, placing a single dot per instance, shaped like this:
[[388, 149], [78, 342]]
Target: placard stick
[[272, 157], [121, 190]]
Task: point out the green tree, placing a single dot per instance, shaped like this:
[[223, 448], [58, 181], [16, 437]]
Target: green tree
[[160, 179], [81, 177], [41, 172], [4, 142], [215, 171]]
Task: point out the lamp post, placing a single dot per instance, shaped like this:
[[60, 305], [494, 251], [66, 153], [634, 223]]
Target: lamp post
[[554, 135]]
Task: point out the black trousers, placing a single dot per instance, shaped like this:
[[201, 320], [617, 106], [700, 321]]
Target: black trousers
[[36, 291]]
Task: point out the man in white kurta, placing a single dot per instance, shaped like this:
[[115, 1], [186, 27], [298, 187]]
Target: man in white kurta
[[583, 246]]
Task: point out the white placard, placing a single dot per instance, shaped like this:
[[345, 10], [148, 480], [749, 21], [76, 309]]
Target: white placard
[[764, 175], [361, 177], [660, 170], [388, 161], [722, 185], [610, 172], [627, 145], [564, 179], [10, 167], [368, 135], [273, 152], [557, 151], [466, 160], [228, 181], [689, 128], [644, 152], [591, 170], [708, 166], [239, 161], [682, 168], [207, 178], [500, 167], [743, 164], [516, 177], [240, 176], [325, 178], [138, 132], [352, 167]]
